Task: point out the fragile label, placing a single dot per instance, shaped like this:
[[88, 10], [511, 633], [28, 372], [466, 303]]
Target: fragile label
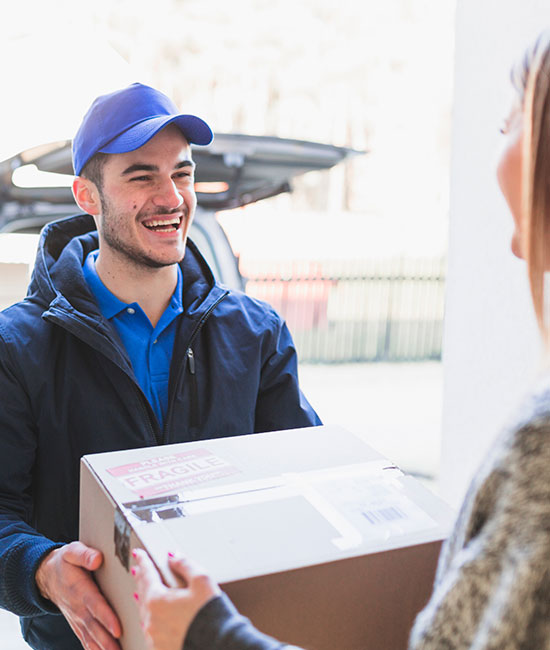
[[165, 474]]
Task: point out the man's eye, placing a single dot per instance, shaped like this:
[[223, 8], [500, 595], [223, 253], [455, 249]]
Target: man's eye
[[140, 178], [183, 175]]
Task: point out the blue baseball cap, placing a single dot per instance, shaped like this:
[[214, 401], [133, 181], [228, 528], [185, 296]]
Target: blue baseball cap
[[126, 119]]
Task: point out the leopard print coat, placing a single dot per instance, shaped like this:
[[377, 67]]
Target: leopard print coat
[[492, 587]]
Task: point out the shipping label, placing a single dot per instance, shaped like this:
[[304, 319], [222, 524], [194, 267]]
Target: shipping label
[[164, 474]]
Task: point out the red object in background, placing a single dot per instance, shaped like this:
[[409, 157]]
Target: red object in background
[[300, 296]]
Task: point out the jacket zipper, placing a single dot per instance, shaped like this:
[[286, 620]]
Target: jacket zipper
[[194, 389], [191, 364], [148, 419]]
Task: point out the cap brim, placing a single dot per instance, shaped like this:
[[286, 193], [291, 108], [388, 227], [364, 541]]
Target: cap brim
[[195, 130]]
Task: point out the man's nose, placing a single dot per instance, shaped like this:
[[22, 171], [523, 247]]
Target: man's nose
[[167, 195]]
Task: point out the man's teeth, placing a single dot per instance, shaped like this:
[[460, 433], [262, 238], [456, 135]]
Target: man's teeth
[[162, 222]]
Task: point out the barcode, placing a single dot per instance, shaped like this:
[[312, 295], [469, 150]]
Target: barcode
[[392, 513]]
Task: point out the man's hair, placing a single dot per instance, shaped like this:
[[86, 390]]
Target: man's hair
[[531, 79], [93, 169]]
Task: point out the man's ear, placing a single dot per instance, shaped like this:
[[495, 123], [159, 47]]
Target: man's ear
[[86, 195]]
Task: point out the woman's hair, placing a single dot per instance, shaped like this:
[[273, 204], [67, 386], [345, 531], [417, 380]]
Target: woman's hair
[[531, 78]]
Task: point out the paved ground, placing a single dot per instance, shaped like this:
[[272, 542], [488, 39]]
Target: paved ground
[[396, 408], [9, 633]]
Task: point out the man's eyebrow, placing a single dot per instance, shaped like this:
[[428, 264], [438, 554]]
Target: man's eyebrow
[[139, 167], [185, 163], [142, 167]]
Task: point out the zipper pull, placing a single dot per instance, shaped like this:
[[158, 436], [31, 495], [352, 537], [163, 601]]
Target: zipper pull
[[191, 359], [194, 415]]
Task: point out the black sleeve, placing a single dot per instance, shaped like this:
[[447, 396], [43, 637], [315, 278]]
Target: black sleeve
[[219, 626]]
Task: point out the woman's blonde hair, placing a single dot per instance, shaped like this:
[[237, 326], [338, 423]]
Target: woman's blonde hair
[[531, 78]]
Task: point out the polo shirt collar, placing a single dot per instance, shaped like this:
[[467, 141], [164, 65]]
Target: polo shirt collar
[[109, 304]]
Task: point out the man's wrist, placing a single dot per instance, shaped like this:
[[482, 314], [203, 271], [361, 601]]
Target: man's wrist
[[41, 574]]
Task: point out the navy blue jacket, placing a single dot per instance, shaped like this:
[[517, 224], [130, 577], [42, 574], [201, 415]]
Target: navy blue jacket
[[68, 389]]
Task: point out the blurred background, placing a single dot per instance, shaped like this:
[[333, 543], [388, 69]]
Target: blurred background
[[355, 257]]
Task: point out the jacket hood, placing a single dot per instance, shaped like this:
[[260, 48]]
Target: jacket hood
[[64, 245]]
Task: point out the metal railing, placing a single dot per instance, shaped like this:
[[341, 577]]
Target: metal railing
[[365, 310]]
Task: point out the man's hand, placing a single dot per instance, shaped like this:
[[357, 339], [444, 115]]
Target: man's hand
[[64, 578], [167, 614]]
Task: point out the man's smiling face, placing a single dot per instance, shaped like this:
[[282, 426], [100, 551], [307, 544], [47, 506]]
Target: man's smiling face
[[148, 201]]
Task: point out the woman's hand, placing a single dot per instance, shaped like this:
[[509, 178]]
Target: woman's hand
[[166, 613]]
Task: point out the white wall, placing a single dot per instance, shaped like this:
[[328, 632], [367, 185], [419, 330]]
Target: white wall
[[491, 346], [17, 254]]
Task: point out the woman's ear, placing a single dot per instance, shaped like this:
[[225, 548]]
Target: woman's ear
[[86, 195]]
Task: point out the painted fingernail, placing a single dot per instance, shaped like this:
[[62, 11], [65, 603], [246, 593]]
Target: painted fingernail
[[133, 571], [136, 597], [134, 554], [170, 554]]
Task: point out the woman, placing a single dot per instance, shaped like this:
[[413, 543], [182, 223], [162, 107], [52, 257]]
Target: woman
[[492, 588]]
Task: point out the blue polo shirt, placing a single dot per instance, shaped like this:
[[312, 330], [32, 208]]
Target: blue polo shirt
[[149, 348]]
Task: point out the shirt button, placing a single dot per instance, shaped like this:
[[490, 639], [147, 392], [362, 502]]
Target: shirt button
[[155, 341], [131, 310]]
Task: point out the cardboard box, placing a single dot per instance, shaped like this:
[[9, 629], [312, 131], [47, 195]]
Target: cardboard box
[[316, 537]]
